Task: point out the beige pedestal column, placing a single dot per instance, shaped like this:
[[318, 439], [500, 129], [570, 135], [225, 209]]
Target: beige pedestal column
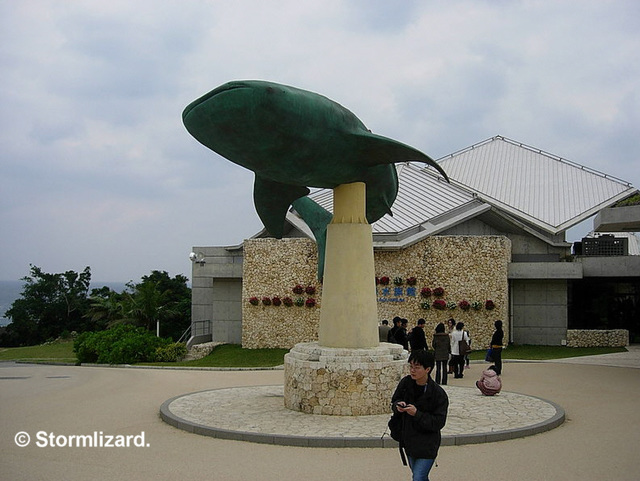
[[349, 312], [347, 372]]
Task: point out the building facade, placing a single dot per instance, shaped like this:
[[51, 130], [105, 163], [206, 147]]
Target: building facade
[[495, 233]]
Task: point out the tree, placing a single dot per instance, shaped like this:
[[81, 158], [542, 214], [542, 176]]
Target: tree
[[54, 303], [106, 307], [160, 298], [157, 298], [50, 304]]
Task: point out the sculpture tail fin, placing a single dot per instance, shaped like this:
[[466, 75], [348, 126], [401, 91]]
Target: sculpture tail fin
[[376, 149]]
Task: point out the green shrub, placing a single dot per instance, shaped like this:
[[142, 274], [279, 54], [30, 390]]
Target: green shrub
[[121, 344], [171, 352], [85, 347]]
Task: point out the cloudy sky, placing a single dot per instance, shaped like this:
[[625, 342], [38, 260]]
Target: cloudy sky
[[97, 170]]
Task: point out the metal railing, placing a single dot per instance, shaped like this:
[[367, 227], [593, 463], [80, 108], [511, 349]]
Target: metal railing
[[197, 328]]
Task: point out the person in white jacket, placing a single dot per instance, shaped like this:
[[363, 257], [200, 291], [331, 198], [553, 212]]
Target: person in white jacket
[[490, 383], [458, 359]]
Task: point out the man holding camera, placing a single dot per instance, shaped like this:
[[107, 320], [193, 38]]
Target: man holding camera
[[422, 404]]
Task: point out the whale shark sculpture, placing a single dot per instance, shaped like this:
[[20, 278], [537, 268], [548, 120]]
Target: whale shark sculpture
[[293, 139]]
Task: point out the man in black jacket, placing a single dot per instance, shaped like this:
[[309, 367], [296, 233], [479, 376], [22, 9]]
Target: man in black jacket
[[400, 336], [423, 405], [417, 337], [391, 335]]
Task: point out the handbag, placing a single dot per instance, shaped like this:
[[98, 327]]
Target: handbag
[[489, 356], [463, 347]]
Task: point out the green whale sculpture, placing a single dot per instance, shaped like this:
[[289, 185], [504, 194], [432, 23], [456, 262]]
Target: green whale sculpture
[[294, 139]]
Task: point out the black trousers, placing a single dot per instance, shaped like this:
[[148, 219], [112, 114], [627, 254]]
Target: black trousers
[[496, 355], [458, 365], [441, 372]]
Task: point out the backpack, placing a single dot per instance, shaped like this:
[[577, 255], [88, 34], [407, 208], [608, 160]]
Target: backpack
[[396, 425]]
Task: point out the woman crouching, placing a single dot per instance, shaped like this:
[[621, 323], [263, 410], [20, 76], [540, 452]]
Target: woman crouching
[[489, 383]]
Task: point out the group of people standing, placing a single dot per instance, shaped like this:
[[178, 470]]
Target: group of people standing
[[398, 334], [445, 342]]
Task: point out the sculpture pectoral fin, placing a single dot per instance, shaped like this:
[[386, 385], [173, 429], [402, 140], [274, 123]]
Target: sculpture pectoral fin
[[317, 218], [376, 150], [272, 200]]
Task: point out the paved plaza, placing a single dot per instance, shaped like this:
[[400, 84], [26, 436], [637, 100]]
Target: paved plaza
[[257, 414], [597, 440]]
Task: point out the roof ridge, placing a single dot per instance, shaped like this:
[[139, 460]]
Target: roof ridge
[[566, 161], [537, 151]]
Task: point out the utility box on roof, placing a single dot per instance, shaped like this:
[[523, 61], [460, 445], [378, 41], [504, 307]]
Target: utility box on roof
[[605, 245]]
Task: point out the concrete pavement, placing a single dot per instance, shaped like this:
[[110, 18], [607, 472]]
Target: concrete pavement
[[257, 414], [598, 440]]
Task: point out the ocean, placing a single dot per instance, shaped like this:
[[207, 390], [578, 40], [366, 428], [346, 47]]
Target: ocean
[[12, 290]]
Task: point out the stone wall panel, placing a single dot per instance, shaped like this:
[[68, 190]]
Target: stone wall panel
[[597, 338], [473, 268]]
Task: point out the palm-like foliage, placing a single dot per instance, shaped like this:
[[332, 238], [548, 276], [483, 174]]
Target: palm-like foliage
[[147, 304], [106, 308]]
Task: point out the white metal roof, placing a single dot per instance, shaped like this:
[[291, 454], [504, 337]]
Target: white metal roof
[[540, 188], [537, 188], [423, 197]]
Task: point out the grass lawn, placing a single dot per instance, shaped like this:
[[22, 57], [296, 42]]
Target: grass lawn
[[232, 355], [60, 351]]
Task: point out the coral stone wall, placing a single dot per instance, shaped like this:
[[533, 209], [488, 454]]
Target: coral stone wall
[[467, 268], [597, 338], [272, 268]]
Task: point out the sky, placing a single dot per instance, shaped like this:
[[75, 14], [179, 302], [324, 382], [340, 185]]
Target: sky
[[96, 168]]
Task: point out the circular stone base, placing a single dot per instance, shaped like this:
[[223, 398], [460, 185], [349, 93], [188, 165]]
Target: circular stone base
[[340, 381], [257, 414]]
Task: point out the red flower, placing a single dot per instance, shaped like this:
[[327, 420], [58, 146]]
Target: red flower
[[254, 301], [384, 281], [287, 301], [310, 290], [440, 304], [266, 301], [298, 289], [310, 302], [464, 305], [438, 292], [411, 281], [489, 305], [425, 292], [276, 301]]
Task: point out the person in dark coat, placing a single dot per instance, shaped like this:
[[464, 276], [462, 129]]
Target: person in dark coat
[[417, 337], [400, 336], [392, 332], [496, 347], [423, 404], [442, 349]]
